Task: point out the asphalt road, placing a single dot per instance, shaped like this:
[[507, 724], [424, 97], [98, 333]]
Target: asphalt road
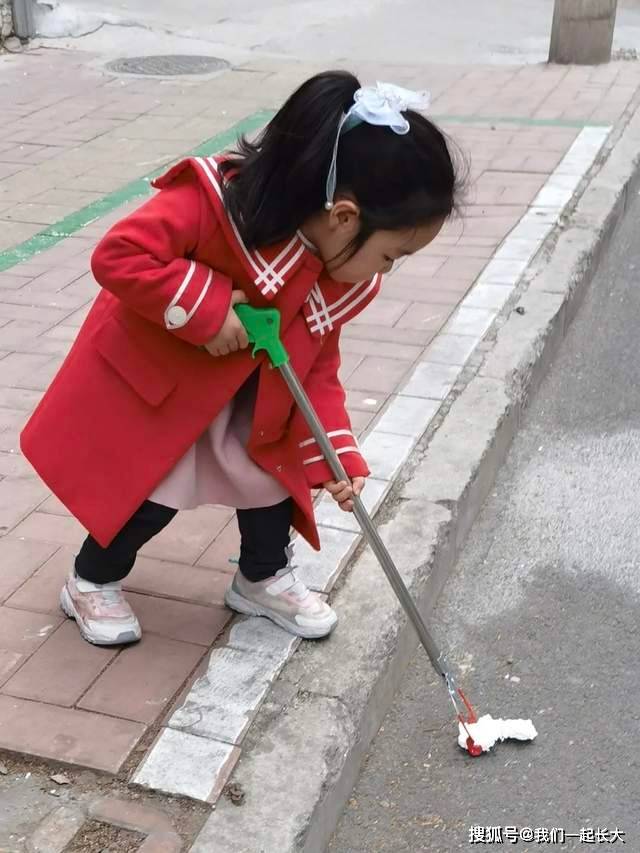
[[547, 591]]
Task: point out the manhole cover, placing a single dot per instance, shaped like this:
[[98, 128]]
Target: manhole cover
[[167, 66]]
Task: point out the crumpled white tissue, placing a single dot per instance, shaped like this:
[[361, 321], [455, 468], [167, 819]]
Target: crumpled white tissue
[[487, 731]]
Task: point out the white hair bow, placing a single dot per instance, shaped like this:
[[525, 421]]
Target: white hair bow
[[382, 104]]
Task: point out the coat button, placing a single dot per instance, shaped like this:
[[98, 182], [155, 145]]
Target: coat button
[[176, 316], [261, 433], [279, 468]]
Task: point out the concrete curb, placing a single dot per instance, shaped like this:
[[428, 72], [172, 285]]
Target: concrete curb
[[303, 753]]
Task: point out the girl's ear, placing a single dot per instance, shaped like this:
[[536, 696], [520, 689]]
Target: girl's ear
[[344, 218]]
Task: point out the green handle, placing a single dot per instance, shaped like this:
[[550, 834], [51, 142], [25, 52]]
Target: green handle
[[262, 326]]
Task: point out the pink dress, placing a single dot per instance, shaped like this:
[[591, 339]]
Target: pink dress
[[217, 469]]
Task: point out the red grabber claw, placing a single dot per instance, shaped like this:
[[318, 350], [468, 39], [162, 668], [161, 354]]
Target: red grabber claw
[[472, 716], [472, 747]]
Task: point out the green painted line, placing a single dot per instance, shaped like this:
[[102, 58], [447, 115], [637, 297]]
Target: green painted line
[[520, 120], [139, 188]]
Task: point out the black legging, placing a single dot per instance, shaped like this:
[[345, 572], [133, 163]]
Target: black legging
[[264, 535]]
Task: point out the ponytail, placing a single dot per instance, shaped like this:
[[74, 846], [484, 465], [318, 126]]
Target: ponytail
[[280, 178]]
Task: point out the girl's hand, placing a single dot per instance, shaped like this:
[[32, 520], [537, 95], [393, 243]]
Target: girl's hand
[[342, 492], [232, 336]]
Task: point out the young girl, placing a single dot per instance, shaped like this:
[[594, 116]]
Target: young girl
[[160, 406]]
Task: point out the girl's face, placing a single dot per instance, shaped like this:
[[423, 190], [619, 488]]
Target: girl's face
[[334, 230]]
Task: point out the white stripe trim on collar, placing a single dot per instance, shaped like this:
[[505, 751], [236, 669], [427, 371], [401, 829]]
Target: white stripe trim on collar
[[269, 269], [356, 301], [270, 273], [319, 312], [268, 276]]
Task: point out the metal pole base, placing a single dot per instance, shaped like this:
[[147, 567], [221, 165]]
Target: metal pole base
[[582, 31], [23, 21]]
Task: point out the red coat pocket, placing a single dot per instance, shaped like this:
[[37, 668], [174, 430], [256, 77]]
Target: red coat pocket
[[149, 379]]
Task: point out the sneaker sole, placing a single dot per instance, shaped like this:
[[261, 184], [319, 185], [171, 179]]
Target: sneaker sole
[[241, 604], [66, 605]]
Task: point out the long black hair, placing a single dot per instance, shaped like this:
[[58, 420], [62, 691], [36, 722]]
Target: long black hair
[[279, 180]]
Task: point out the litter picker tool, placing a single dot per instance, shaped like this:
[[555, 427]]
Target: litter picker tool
[[263, 330]]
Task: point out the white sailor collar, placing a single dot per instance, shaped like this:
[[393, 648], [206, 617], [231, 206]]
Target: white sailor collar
[[329, 303]]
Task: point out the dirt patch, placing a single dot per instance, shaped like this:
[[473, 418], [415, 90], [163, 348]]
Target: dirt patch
[[96, 837], [28, 794]]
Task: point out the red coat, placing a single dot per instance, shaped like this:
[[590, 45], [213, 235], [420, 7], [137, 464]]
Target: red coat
[[136, 391]]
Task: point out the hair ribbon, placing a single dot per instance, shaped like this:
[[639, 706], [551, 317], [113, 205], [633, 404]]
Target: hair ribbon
[[383, 105]]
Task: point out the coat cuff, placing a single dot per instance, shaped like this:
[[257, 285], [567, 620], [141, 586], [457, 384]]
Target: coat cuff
[[200, 304], [317, 469]]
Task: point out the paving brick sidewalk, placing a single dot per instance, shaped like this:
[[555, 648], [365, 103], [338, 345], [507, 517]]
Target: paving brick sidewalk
[[71, 134]]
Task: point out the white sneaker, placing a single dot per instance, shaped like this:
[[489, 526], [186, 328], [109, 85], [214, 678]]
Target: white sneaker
[[103, 614], [285, 600]]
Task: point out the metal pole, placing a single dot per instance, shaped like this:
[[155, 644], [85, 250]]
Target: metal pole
[[23, 21], [582, 31], [371, 534]]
